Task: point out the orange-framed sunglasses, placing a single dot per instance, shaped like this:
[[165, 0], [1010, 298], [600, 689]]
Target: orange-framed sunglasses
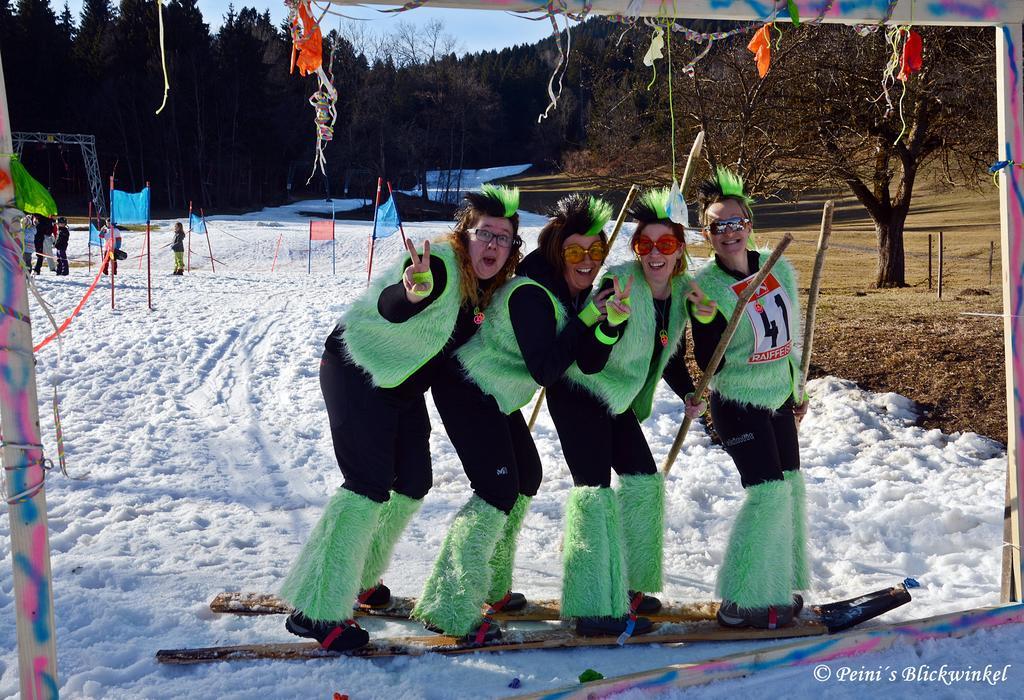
[[575, 253], [666, 245]]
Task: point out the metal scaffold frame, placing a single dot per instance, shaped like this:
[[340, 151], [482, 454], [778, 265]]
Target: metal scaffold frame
[[88, 144]]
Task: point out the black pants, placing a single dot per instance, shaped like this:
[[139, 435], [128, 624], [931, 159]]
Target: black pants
[[762, 443], [62, 261], [593, 441], [496, 450], [381, 437]]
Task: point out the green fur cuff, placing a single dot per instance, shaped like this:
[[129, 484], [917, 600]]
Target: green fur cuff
[[504, 559], [325, 579], [454, 594], [394, 517], [758, 567], [642, 507], [801, 563], [594, 580]]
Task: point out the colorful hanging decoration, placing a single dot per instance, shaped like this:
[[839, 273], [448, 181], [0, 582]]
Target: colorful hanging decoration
[[794, 12], [163, 53], [308, 56], [307, 40], [912, 59], [761, 47]]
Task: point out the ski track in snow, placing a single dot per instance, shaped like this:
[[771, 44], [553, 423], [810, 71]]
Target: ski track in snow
[[203, 443]]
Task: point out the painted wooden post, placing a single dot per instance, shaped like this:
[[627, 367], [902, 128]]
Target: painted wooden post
[[1009, 76], [22, 454], [941, 250]]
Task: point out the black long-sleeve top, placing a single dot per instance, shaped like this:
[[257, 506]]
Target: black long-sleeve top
[[676, 374], [707, 335], [394, 306], [546, 352]]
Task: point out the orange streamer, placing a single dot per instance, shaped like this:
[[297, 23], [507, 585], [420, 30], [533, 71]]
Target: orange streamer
[[761, 47]]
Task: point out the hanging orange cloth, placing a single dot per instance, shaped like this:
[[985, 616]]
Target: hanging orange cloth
[[307, 44], [912, 59], [761, 47]]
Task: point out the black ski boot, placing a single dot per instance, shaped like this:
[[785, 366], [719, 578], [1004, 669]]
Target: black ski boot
[[769, 618], [375, 598], [512, 602], [611, 626], [336, 636], [483, 633], [647, 605]]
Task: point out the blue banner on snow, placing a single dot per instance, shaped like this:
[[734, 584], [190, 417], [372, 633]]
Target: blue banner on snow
[[130, 208], [197, 223], [94, 235], [387, 219]]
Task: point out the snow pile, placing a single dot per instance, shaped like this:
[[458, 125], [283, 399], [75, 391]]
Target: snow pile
[[202, 434], [448, 185]]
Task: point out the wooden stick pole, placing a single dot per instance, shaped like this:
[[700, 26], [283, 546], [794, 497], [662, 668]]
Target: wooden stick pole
[[812, 297], [929, 261], [630, 196], [941, 247], [730, 329], [22, 453]]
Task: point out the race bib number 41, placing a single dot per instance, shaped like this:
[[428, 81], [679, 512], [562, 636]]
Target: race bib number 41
[[768, 312]]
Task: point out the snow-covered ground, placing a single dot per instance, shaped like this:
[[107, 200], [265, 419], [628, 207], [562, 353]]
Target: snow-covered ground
[[201, 435], [447, 184]]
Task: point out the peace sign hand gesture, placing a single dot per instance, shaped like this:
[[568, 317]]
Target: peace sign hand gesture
[[417, 278], [618, 307], [703, 306]]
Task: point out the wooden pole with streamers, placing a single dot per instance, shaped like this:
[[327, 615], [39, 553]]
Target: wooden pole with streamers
[[22, 451]]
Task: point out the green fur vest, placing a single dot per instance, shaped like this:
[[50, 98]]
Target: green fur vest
[[764, 375], [628, 380], [492, 358], [391, 352]]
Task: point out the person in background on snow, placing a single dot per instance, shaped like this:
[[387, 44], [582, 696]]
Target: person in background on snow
[[529, 337], [178, 247], [754, 410], [61, 246], [614, 544], [28, 240], [378, 363], [110, 234], [44, 243]]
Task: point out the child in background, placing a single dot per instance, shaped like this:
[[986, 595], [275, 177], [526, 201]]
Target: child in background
[[178, 246], [61, 246]]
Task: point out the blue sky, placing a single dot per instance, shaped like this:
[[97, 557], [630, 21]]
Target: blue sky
[[475, 30]]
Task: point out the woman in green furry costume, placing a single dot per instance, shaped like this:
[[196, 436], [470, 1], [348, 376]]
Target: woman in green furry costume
[[755, 413], [377, 365], [534, 330], [614, 539]]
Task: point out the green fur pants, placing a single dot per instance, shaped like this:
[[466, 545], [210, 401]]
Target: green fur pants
[[394, 517], [325, 578], [594, 582], [757, 571], [642, 510], [454, 594]]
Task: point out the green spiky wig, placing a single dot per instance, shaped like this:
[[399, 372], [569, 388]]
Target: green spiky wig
[[495, 200], [584, 214], [651, 206]]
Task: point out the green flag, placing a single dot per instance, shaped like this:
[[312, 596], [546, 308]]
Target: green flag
[[29, 195]]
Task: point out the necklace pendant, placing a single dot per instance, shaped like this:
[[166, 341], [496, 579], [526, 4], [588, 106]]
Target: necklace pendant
[[478, 316], [663, 337]]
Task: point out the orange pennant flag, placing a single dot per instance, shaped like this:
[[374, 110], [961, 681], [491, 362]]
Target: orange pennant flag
[[761, 47]]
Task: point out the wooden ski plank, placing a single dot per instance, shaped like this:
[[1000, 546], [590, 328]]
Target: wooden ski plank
[[703, 631], [822, 650], [240, 603]]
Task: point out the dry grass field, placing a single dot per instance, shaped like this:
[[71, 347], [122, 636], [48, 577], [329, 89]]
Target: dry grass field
[[902, 340]]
